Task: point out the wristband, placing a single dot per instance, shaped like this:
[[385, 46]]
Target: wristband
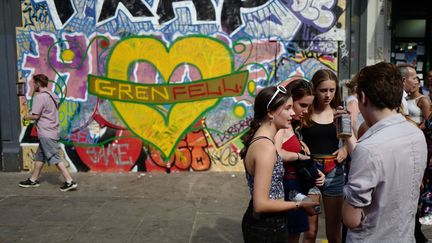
[[298, 156]]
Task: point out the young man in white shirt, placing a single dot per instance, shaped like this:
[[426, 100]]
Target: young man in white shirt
[[387, 164]]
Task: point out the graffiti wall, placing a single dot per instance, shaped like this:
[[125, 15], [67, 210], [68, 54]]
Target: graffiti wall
[[167, 85]]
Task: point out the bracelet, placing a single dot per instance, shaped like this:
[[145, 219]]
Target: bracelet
[[297, 204], [298, 156]]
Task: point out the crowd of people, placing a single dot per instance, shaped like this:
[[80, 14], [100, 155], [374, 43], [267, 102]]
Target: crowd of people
[[369, 184]]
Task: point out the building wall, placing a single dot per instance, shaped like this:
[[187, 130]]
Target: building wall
[[168, 85], [378, 31], [10, 17]]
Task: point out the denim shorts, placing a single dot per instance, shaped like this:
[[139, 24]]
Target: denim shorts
[[314, 191], [48, 151], [334, 182]]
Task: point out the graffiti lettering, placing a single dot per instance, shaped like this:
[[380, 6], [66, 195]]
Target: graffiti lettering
[[135, 8], [190, 153], [296, 54], [311, 54], [231, 13], [234, 130], [202, 10], [316, 12], [344, 50], [231, 85], [117, 152], [226, 157]]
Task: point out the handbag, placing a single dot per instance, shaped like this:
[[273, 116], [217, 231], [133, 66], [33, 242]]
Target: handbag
[[307, 173], [30, 134]]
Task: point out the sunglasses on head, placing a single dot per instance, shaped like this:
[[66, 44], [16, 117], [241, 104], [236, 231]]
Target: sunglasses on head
[[278, 89]]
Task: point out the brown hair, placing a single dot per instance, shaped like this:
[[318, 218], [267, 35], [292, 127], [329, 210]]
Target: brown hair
[[299, 88], [352, 84], [41, 79], [382, 84], [319, 77], [260, 112]]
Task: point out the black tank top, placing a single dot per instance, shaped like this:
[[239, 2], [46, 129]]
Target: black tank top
[[320, 138]]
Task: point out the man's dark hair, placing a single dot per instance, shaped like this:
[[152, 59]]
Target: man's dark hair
[[42, 79], [381, 84]]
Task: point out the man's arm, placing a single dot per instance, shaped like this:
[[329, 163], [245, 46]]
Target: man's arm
[[363, 178], [36, 110], [352, 216], [30, 116]]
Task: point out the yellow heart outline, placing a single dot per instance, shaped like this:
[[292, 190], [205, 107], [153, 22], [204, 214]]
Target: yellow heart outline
[[210, 56]]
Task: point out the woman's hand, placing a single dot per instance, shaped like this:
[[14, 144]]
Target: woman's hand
[[341, 154], [305, 148], [321, 179], [303, 156], [309, 207]]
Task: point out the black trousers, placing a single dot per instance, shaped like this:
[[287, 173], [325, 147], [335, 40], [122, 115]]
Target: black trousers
[[264, 228], [418, 234]]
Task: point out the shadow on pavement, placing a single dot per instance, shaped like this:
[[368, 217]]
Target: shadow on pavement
[[224, 230]]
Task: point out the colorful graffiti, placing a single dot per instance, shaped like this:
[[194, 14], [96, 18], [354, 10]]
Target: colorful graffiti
[[167, 85]]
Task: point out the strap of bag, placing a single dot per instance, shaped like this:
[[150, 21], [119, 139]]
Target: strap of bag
[[52, 98]]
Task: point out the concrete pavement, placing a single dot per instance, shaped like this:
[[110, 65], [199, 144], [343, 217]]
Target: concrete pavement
[[126, 207]]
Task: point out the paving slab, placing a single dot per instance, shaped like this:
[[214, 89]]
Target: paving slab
[[128, 207]]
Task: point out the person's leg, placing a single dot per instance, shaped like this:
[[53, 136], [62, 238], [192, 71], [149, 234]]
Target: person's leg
[[293, 237], [418, 234], [64, 171], [38, 165], [310, 235], [344, 233], [69, 183], [51, 150], [333, 218]]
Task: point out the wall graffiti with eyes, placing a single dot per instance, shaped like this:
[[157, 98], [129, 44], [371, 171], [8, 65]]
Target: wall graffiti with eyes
[[167, 85]]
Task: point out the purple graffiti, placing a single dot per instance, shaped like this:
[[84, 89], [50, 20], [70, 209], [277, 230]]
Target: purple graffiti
[[76, 70]]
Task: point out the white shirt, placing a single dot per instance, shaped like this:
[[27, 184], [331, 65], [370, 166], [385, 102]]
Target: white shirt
[[386, 170], [414, 110]]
